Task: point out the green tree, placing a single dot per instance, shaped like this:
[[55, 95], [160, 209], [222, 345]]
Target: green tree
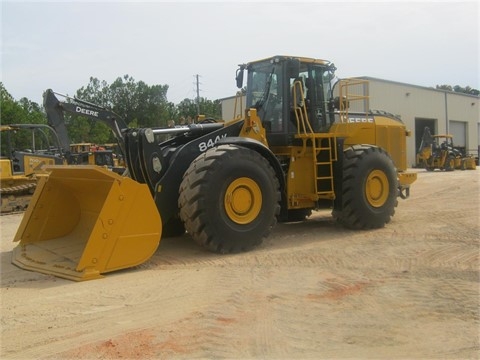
[[23, 111], [444, 87], [82, 129], [172, 111], [131, 100], [459, 89], [466, 90], [137, 103], [211, 109], [19, 112], [188, 108]]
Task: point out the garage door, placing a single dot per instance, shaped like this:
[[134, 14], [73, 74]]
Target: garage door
[[459, 131]]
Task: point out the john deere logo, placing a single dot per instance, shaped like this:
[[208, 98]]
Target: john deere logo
[[81, 110]]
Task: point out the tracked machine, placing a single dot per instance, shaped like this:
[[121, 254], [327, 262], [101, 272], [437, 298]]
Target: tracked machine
[[298, 148]]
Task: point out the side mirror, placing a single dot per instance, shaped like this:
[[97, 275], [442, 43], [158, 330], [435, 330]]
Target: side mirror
[[293, 68], [239, 76]]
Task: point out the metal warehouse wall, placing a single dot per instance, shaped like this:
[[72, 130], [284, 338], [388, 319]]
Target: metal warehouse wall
[[417, 106], [229, 111]]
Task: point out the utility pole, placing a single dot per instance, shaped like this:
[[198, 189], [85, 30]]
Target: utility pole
[[198, 94]]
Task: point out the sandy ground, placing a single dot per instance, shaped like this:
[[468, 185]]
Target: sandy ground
[[313, 290]]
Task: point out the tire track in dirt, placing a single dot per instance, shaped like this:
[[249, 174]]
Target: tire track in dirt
[[165, 301], [244, 309], [312, 290]]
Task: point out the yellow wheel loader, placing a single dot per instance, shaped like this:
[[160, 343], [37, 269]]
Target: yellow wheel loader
[[297, 149]]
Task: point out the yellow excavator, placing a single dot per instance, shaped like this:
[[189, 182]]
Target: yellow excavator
[[298, 148], [84, 153]]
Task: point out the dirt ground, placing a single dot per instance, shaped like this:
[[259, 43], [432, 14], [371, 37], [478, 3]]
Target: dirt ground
[[313, 290]]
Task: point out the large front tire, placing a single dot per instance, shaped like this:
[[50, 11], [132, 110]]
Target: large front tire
[[369, 189], [229, 199]]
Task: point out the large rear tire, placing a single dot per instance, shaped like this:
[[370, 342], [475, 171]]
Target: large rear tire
[[229, 199], [369, 195]]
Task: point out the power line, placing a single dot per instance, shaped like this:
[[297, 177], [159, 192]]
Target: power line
[[198, 93]]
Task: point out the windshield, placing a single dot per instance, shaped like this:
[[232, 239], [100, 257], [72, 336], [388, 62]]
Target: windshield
[[271, 90], [263, 82]]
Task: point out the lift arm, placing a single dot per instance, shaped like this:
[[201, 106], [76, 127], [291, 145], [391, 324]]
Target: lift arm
[[55, 114]]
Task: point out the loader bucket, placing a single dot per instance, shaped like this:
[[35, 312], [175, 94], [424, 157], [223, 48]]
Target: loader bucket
[[84, 221]]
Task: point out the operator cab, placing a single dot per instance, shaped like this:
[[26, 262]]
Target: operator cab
[[282, 88]]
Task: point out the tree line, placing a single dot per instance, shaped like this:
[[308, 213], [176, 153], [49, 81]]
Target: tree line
[[139, 104], [459, 89]]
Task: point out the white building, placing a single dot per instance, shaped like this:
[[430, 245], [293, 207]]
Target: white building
[[444, 112]]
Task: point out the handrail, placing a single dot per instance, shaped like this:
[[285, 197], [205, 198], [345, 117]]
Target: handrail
[[239, 99], [301, 116], [347, 96]]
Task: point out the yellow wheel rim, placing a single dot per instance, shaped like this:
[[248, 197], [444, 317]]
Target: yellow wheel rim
[[243, 200], [377, 188]]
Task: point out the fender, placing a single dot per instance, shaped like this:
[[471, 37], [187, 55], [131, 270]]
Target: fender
[[262, 150], [164, 181]]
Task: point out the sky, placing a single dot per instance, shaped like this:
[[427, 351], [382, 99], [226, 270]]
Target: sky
[[60, 45]]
